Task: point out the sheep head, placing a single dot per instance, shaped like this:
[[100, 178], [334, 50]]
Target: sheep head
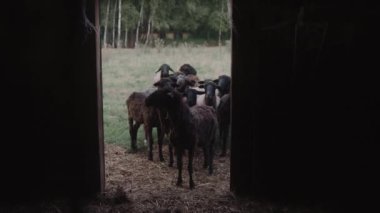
[[188, 69], [224, 83], [166, 99], [210, 87], [164, 68], [191, 96], [164, 83]]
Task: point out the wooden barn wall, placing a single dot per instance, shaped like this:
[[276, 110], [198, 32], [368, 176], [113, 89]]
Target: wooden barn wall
[[52, 111], [305, 103]]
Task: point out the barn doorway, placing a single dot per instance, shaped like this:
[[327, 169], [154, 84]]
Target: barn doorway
[[135, 41]]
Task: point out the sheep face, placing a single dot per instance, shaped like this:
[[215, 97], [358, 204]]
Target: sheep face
[[224, 83], [165, 83], [163, 99], [164, 68], [210, 88], [191, 96]]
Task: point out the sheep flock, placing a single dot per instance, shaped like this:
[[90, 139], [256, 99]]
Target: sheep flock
[[189, 112]]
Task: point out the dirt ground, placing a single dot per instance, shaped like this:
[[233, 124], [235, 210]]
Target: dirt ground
[[150, 186]]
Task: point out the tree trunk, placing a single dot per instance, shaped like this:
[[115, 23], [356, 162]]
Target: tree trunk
[[119, 27], [106, 25], [148, 31], [138, 24], [220, 24], [113, 24], [229, 10], [126, 37]]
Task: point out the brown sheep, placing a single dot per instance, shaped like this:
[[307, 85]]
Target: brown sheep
[[139, 113]]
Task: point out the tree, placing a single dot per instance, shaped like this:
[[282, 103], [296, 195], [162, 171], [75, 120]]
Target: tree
[[106, 25], [129, 19], [218, 18], [220, 23], [229, 12], [187, 15], [119, 26], [162, 15], [200, 17], [113, 24], [153, 5], [139, 23]]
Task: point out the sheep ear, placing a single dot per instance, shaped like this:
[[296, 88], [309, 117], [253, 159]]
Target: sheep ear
[[159, 69], [156, 84], [170, 69], [216, 81]]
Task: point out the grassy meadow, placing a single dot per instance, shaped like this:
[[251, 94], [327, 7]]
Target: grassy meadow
[[127, 70]]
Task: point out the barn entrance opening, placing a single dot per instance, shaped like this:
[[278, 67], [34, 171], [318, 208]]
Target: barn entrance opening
[[136, 39]]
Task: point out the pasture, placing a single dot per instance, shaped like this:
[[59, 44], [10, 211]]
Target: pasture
[[127, 70]]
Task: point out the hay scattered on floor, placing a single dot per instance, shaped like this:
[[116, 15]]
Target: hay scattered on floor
[[151, 185]]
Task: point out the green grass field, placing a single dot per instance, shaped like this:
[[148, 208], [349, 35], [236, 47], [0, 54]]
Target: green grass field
[[127, 70]]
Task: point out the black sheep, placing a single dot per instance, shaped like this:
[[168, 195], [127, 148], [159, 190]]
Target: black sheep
[[209, 98], [189, 126], [223, 114], [162, 72], [224, 84]]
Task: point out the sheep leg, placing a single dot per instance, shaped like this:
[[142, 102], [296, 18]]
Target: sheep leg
[[133, 133], [190, 168], [171, 139], [223, 137], [160, 136], [136, 127], [171, 160], [205, 157], [179, 166], [130, 121], [211, 157], [149, 138]]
